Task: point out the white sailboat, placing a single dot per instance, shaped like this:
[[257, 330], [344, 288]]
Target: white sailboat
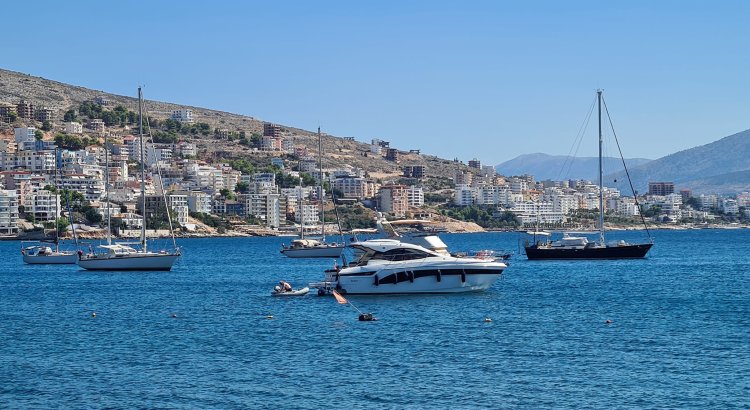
[[314, 248], [121, 256], [44, 254]]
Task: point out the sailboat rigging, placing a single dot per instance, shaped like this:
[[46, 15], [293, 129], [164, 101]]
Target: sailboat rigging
[[578, 247], [43, 254], [313, 248], [121, 256]]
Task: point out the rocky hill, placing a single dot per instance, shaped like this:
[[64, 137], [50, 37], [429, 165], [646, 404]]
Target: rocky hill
[[16, 86], [722, 166]]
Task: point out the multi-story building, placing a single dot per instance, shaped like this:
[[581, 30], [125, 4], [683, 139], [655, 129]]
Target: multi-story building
[[415, 196], [265, 207], [42, 114], [413, 171], [73, 128], [25, 109], [393, 199], [199, 201], [88, 185], [308, 214], [354, 187], [178, 202], [8, 212], [25, 138], [392, 154], [271, 130], [475, 163], [6, 110], [43, 205], [96, 125], [183, 116], [660, 188]]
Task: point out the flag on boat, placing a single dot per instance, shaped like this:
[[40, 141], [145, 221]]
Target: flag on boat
[[340, 298]]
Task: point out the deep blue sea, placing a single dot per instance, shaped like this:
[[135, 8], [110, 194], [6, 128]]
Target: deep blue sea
[[199, 336]]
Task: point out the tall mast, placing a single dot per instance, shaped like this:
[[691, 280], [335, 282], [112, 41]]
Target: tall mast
[[601, 172], [320, 186], [299, 204], [57, 212], [106, 190], [143, 170]]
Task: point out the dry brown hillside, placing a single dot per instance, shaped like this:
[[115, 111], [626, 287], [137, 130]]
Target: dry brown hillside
[[16, 86]]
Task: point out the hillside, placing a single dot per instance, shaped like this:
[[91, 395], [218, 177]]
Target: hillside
[[715, 167], [16, 86], [558, 167]]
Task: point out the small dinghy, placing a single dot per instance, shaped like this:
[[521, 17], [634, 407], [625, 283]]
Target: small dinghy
[[293, 292]]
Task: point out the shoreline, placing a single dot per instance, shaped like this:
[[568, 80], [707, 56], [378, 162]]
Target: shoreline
[[237, 234]]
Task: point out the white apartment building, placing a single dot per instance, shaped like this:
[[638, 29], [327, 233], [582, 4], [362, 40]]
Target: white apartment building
[[415, 196], [184, 116], [265, 207], [532, 213], [43, 204], [25, 138], [309, 214], [8, 212], [90, 186], [198, 201], [179, 204], [355, 187], [34, 161], [730, 207], [161, 153], [73, 128], [465, 195]]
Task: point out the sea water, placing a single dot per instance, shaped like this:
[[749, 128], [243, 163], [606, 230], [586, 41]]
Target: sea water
[[670, 331]]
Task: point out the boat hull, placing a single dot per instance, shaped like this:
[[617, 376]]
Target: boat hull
[[638, 251], [155, 262], [316, 252], [298, 292], [421, 281], [62, 259]]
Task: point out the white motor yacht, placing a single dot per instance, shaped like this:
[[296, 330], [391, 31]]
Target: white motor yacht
[[386, 266]]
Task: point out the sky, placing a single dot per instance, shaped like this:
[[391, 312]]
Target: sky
[[459, 79]]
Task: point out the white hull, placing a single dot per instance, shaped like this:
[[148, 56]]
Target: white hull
[[138, 261], [421, 278], [55, 259], [316, 252]]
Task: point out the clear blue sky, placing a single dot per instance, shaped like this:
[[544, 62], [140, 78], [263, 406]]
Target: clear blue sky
[[485, 79]]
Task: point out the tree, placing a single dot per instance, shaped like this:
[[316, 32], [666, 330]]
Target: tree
[[46, 125], [226, 194], [70, 116], [39, 135], [62, 225], [242, 187], [12, 116]]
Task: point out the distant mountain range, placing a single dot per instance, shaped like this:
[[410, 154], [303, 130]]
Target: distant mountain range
[[559, 167], [721, 167]]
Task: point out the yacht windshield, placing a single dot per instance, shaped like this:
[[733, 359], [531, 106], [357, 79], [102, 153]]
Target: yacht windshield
[[392, 255]]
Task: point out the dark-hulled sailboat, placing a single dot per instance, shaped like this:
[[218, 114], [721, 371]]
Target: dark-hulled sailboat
[[579, 247]]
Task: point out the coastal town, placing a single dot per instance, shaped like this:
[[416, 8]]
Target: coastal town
[[56, 161]]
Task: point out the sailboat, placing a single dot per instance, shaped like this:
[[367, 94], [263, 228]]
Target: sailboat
[[313, 248], [45, 254], [121, 256], [579, 247]]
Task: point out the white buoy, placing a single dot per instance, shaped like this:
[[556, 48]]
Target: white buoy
[[93, 314], [487, 320]]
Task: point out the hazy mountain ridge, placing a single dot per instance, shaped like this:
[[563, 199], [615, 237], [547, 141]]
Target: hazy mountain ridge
[[717, 167], [558, 167]]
